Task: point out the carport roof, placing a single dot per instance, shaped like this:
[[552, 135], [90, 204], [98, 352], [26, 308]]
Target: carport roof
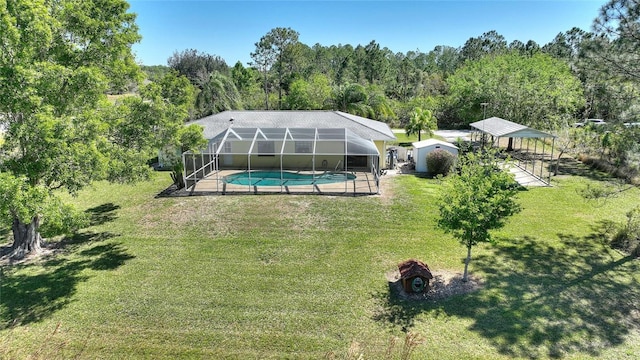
[[504, 128]]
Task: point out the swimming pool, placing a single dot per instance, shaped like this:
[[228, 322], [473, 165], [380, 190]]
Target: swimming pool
[[285, 178]]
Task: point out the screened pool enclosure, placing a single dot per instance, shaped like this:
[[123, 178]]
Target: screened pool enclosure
[[291, 160]]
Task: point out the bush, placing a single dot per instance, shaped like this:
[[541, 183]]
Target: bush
[[463, 146], [627, 238], [629, 173], [440, 162]]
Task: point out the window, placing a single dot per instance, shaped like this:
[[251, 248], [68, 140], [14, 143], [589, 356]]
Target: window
[[304, 147], [227, 147], [266, 148]]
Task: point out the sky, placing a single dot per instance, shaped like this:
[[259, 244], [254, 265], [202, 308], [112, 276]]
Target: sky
[[230, 29]]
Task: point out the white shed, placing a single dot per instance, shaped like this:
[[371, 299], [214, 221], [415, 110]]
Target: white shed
[[424, 147]]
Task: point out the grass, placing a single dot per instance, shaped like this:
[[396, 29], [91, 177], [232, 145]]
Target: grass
[[280, 276], [403, 138]]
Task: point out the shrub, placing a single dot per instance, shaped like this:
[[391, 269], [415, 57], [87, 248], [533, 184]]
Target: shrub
[[630, 172], [440, 162], [627, 238], [463, 146]]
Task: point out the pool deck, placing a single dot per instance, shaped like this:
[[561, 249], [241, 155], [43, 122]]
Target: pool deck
[[364, 184]]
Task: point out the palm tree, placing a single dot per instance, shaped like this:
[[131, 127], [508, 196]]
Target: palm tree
[[218, 93], [352, 99], [421, 120]]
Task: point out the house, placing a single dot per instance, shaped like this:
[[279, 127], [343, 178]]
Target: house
[[283, 144], [422, 148], [367, 129]]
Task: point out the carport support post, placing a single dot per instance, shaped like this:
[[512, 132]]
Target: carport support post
[[184, 169], [544, 143], [520, 153], [528, 150], [195, 173], [535, 152], [553, 145]]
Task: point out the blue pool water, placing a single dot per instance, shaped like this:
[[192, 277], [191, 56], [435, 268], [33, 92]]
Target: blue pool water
[[286, 178]]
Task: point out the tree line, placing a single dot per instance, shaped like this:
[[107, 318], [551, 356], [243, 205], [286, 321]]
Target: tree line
[[579, 74]]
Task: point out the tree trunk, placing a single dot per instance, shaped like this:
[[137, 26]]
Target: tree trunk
[[555, 171], [465, 276], [266, 92], [280, 90], [26, 238]]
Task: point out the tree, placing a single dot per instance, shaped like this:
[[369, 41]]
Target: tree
[[351, 98], [177, 90], [488, 43], [379, 104], [247, 81], [298, 97], [528, 49], [375, 63], [618, 45], [404, 110], [155, 72], [196, 65], [312, 95], [447, 59], [476, 198], [58, 60], [271, 51], [536, 91], [209, 73], [218, 94], [263, 59], [421, 120], [175, 95]]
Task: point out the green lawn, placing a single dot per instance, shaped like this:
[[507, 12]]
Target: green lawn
[[280, 276], [402, 138]]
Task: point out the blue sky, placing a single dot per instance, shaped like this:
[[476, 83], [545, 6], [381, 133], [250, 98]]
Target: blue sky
[[230, 29]]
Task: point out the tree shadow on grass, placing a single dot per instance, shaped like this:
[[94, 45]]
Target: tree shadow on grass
[[571, 166], [32, 291], [397, 311], [102, 214], [545, 300]]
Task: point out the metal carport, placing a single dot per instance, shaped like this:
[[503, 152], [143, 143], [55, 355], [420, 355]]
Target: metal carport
[[532, 163]]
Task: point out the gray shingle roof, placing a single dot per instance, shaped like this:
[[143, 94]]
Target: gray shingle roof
[[363, 127]]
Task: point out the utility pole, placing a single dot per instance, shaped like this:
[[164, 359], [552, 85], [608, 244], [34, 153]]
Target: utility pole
[[484, 117]]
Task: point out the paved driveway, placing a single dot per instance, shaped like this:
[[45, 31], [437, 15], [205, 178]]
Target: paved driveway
[[452, 135]]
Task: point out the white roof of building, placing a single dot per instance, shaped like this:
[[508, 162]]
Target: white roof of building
[[504, 128], [430, 142]]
